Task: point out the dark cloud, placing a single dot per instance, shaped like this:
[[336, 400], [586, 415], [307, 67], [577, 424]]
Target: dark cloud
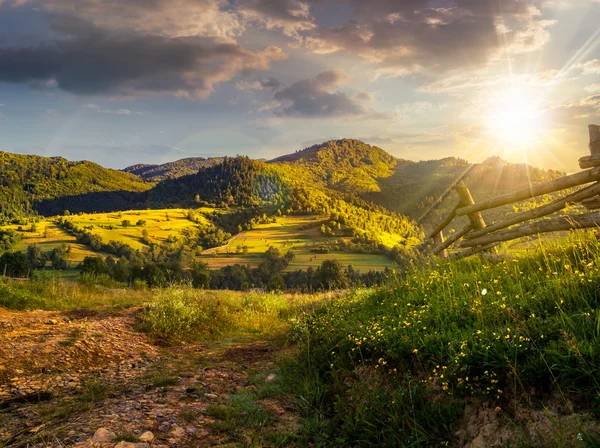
[[408, 36], [290, 16], [270, 83], [208, 18], [316, 97], [92, 60]]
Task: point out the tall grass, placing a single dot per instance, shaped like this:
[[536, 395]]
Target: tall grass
[[187, 314], [50, 292], [393, 366]]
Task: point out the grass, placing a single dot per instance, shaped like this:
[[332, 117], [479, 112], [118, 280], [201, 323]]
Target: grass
[[240, 411], [53, 293], [393, 366], [297, 233], [160, 224], [186, 314], [48, 236]]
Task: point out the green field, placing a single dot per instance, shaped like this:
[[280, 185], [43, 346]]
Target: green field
[[48, 236], [160, 224], [297, 233]]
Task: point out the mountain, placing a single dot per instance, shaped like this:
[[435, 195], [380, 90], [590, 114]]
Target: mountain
[[172, 170], [374, 192], [288, 188], [415, 189], [50, 185], [410, 188], [235, 181], [346, 165]]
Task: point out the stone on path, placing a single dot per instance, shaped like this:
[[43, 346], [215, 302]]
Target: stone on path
[[147, 437], [124, 444], [103, 435]]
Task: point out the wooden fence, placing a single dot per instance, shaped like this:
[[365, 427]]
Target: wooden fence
[[476, 236]]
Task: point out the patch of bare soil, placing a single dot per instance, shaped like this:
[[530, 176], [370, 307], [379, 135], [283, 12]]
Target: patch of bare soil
[[90, 379], [554, 425]]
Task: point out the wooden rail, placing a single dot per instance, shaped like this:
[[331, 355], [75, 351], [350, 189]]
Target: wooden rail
[[478, 237]]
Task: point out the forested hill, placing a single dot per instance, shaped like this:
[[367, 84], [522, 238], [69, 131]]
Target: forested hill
[[413, 189], [409, 188], [234, 181], [282, 189], [346, 165], [29, 183], [172, 170]]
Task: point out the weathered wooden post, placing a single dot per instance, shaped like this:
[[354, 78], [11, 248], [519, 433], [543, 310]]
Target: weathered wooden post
[[594, 158], [466, 199], [594, 139], [438, 240]]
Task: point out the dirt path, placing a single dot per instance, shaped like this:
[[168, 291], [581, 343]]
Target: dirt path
[[64, 376]]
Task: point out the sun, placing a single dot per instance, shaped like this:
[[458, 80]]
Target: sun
[[515, 118]]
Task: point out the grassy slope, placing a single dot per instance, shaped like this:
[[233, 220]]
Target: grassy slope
[[519, 334], [160, 224], [502, 351], [297, 233]]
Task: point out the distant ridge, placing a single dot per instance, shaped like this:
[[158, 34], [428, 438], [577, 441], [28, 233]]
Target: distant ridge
[[172, 170]]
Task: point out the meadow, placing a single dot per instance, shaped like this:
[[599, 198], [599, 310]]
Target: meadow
[[297, 233], [414, 364], [160, 224], [501, 350]]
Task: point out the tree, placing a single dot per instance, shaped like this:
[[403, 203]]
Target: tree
[[15, 264], [331, 275], [200, 275], [36, 256], [94, 266], [126, 223], [276, 283]]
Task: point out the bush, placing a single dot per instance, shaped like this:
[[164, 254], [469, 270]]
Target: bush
[[179, 314]]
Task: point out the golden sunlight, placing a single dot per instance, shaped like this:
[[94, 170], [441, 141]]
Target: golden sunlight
[[515, 118]]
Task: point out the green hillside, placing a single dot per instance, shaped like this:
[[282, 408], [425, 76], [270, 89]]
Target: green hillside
[[414, 190], [287, 188], [50, 185], [347, 165]]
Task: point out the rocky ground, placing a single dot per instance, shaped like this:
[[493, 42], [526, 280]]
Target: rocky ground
[[90, 379]]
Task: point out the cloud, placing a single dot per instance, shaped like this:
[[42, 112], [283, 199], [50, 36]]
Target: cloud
[[263, 83], [51, 114], [482, 79], [90, 60], [592, 88], [584, 108], [412, 36], [181, 18], [317, 97], [100, 110], [415, 109], [591, 67], [289, 16]]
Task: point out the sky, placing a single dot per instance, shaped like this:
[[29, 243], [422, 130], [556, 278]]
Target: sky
[[122, 82]]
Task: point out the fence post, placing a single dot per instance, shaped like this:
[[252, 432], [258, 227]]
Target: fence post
[[594, 139], [438, 239], [466, 199]]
